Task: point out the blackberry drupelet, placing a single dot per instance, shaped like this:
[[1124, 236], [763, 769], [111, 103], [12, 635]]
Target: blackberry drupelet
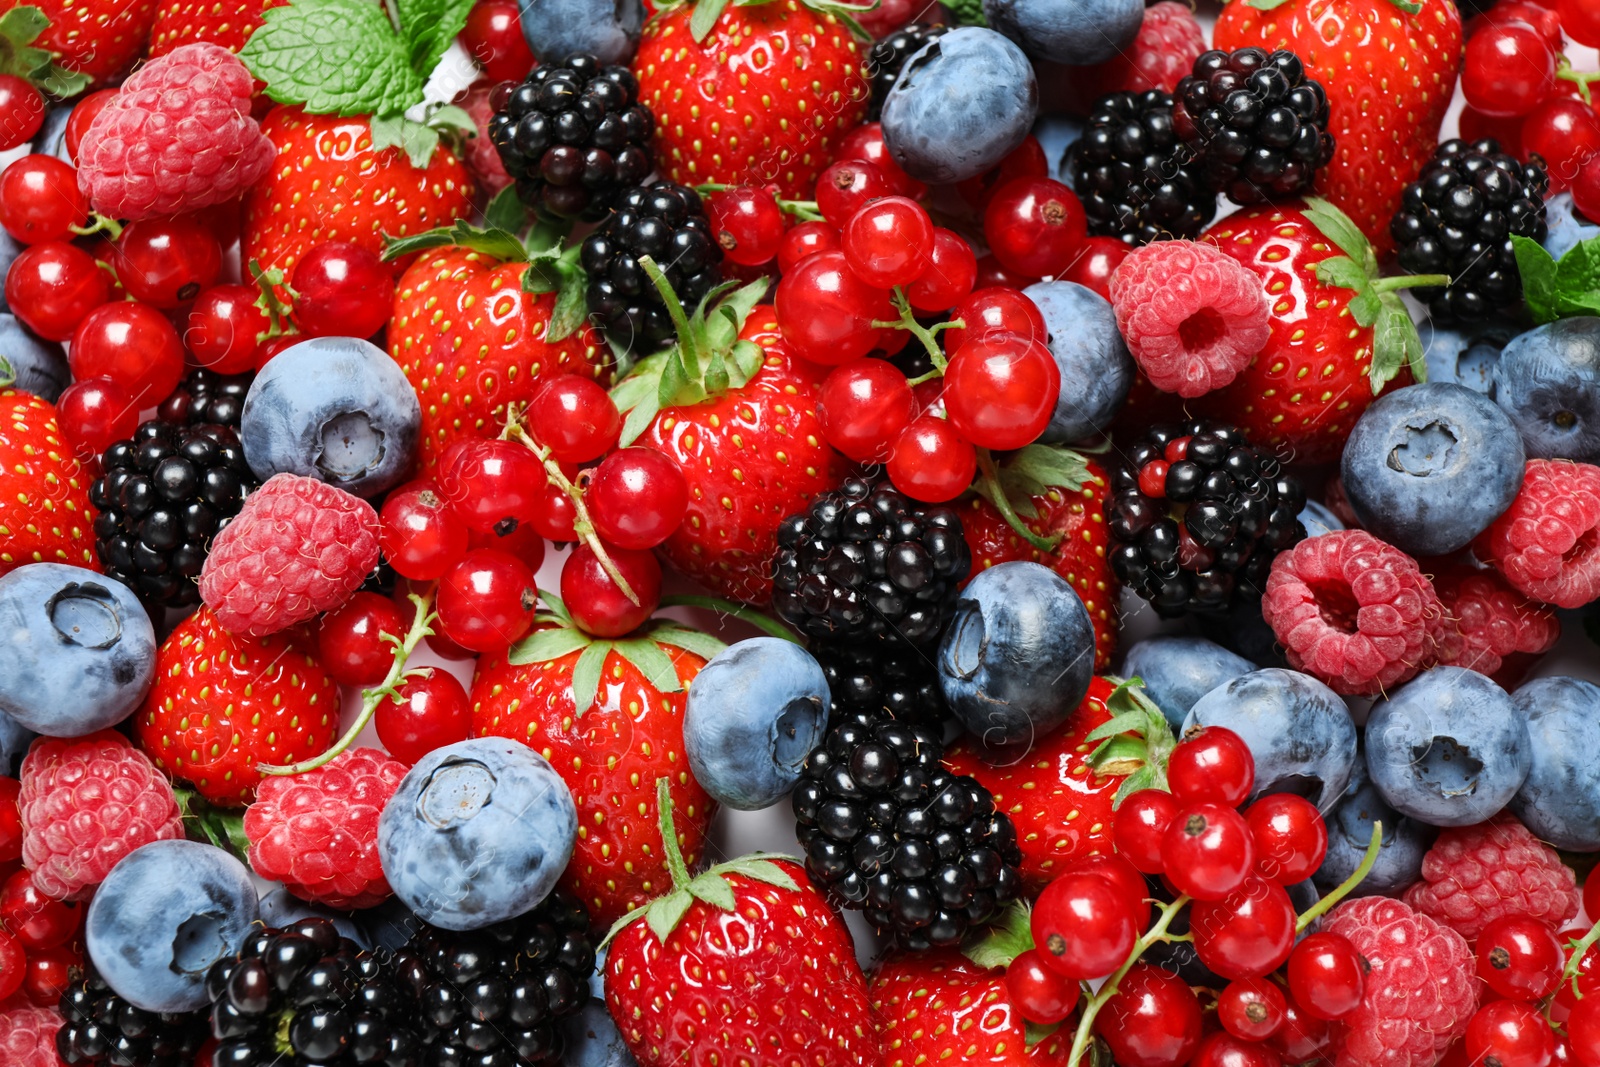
[[1259, 126], [574, 136], [871, 680], [666, 222], [1197, 515], [205, 397], [889, 831], [888, 57], [1136, 178], [497, 996], [305, 995], [102, 1028], [1458, 218]]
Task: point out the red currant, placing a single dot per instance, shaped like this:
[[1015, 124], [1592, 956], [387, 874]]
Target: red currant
[[224, 328], [1585, 196], [13, 965], [1027, 160], [1290, 837], [21, 111], [487, 600], [10, 821], [995, 310], [433, 711], [991, 275], [1248, 933], [1581, 21], [888, 242], [82, 116], [637, 497], [863, 406], [94, 414], [1211, 764], [806, 239], [134, 345], [342, 290], [948, 279], [575, 418], [493, 36], [1583, 1028], [1039, 994], [1121, 874], [1083, 927], [827, 312], [1035, 227], [1097, 262], [931, 462], [847, 186], [166, 262], [492, 484], [1587, 981], [865, 142], [1001, 390], [1509, 1033], [1565, 133], [1509, 70], [1207, 852], [50, 973], [558, 516], [1224, 1050], [1152, 1020], [1302, 1037], [420, 534], [271, 346], [35, 920], [350, 640], [1520, 958], [1327, 976], [1251, 1009], [1476, 126], [523, 542], [51, 287], [1591, 897], [596, 603], [39, 199], [1140, 825], [747, 223]]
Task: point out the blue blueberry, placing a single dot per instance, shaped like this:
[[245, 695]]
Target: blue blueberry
[[1560, 799], [14, 741], [1074, 32], [753, 714], [334, 408], [1405, 841], [1089, 349], [51, 140], [37, 366], [279, 908], [1298, 730], [1017, 656], [960, 105], [1178, 670], [163, 916], [606, 29], [1429, 467], [1055, 134], [1567, 227], [1319, 519], [1466, 355], [1548, 381], [477, 833], [80, 650], [592, 1039], [1447, 747], [390, 924]]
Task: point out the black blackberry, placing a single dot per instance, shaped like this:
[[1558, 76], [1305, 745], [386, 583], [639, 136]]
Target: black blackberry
[[888, 830], [1135, 177], [496, 996], [667, 222], [205, 397], [1258, 124], [1458, 218], [889, 55], [573, 136], [1197, 515], [305, 995], [886, 678], [102, 1028]]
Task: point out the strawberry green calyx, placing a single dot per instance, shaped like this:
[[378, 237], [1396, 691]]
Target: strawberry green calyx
[[1011, 485], [8, 373], [19, 28], [993, 947], [1556, 289], [222, 827], [1135, 742]]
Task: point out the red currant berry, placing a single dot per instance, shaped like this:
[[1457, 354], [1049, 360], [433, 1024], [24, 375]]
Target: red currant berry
[[1248, 933], [931, 462], [1039, 994], [271, 346], [523, 542], [1290, 837], [342, 290], [991, 275], [224, 328], [865, 142], [1027, 160], [827, 312], [596, 603], [420, 534], [637, 497], [166, 262], [995, 310], [575, 418], [1140, 825], [40, 201], [493, 36], [487, 600], [1301, 1038], [51, 287], [1251, 1009], [1097, 262], [1476, 126], [1509, 70], [1001, 390], [10, 821], [1035, 227], [134, 345], [21, 111], [1520, 958], [1591, 897], [949, 276], [1587, 981], [492, 484], [1327, 976], [82, 116], [1083, 927], [747, 223], [1585, 196], [1207, 852], [846, 187], [50, 972], [1152, 1020], [806, 239], [558, 516], [1539, 15], [1509, 1033], [1583, 1028], [35, 920], [433, 711], [1565, 133], [94, 414], [350, 642], [1121, 874], [863, 406], [888, 242], [1224, 1050], [1581, 21], [1211, 764], [13, 965]]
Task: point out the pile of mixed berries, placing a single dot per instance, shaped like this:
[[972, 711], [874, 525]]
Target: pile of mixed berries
[[1120, 483]]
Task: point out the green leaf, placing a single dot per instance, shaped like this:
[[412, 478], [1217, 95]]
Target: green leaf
[[1008, 937], [1587, 304], [567, 317], [59, 81], [674, 383], [428, 27], [19, 28], [452, 119], [732, 309], [1033, 1033], [1133, 722], [665, 913], [714, 890], [1410, 7], [653, 663], [1343, 272], [543, 646], [557, 606], [1337, 227], [1538, 269], [1265, 5], [1395, 344], [643, 381], [1578, 273], [760, 869], [23, 25], [1037, 469], [337, 57], [216, 826], [586, 675], [639, 420], [716, 375], [703, 645], [416, 139], [1365, 307], [747, 360], [8, 373], [506, 211], [706, 13], [498, 243]]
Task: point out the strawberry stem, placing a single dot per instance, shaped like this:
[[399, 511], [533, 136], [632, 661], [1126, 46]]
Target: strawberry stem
[[688, 342], [1095, 1001], [759, 620], [669, 836], [1409, 281], [1346, 887], [989, 478]]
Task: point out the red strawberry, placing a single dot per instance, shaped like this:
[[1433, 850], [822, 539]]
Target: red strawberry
[[100, 38], [223, 703], [609, 746], [228, 23], [744, 965], [1389, 67], [762, 96], [45, 514]]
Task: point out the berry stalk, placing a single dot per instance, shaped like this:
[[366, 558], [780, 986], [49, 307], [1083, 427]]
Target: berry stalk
[[1093, 1004], [759, 620], [1581, 77], [1580, 948], [803, 210], [927, 337], [1346, 887]]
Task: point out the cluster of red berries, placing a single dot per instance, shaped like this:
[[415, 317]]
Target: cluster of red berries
[[40, 945]]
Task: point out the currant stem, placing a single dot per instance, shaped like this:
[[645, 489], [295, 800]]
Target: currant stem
[[99, 223], [804, 210], [1569, 973], [1156, 933], [1582, 77], [1409, 281], [759, 620], [1346, 887], [989, 476], [908, 321], [421, 627]]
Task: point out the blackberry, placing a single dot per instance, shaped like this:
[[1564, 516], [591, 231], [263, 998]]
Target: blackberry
[[102, 1028], [888, 57], [1136, 178], [1197, 515], [888, 830], [881, 679], [574, 136], [1259, 126], [497, 996], [1458, 218], [305, 995], [666, 222], [205, 397]]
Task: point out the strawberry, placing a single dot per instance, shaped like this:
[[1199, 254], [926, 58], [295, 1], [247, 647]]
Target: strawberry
[[228, 23], [746, 964], [750, 93], [45, 514], [1061, 797], [608, 742], [223, 703], [1389, 68], [98, 38]]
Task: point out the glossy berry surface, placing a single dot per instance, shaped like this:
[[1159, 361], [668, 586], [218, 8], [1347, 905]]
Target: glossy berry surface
[[166, 262], [747, 223], [493, 37], [1040, 994], [21, 111], [1211, 764], [1511, 1034], [1000, 390], [1251, 1009], [224, 328], [53, 286], [1153, 1019], [350, 642], [1207, 851], [575, 418], [486, 600], [132, 344], [598, 605], [1141, 826], [94, 413], [1327, 976], [888, 242], [492, 485], [39, 199], [433, 711], [1035, 226], [419, 533], [1520, 958], [1083, 926], [863, 406], [1290, 837], [1509, 70], [341, 289], [930, 461], [637, 497]]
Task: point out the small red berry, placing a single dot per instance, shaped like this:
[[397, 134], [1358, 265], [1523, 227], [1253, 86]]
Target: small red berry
[[1327, 976], [83, 114], [1248, 933], [1035, 227], [224, 327], [1302, 1037], [493, 36], [1565, 133], [1510, 1033], [1097, 262], [1211, 764], [888, 242], [341, 289], [1251, 1009], [596, 603], [863, 406], [53, 286], [166, 262], [420, 534], [1520, 957], [1152, 1020], [637, 498], [40, 201], [848, 185], [433, 711], [866, 143], [1039, 994], [21, 111], [94, 414], [575, 418], [1140, 826], [50, 973], [827, 311], [951, 272], [931, 462], [1001, 390], [10, 821], [1290, 837], [806, 239], [1581, 21], [35, 920], [1583, 1028], [134, 345], [1083, 927], [487, 600], [1207, 852], [1509, 69], [1225, 1050], [492, 484], [995, 309], [747, 224], [13, 965], [350, 643]]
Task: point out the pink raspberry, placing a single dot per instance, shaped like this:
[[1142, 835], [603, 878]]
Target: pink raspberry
[[1193, 317], [178, 136], [87, 802], [1488, 623], [1420, 993], [1170, 40], [481, 156], [1352, 611], [317, 832], [1547, 543], [28, 1034], [1475, 874], [297, 548]]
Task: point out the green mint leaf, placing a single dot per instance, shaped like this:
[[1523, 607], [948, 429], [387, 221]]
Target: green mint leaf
[[1539, 270], [706, 13], [967, 12], [703, 645], [712, 889], [1578, 273], [586, 675], [416, 139], [8, 373], [428, 27], [1337, 227], [506, 211], [546, 645], [337, 57], [448, 118], [1395, 344], [1586, 304]]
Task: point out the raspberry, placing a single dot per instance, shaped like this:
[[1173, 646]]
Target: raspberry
[[297, 548], [86, 802], [1192, 316], [28, 1035], [1420, 993], [479, 153], [1547, 543], [1476, 874], [1170, 40], [1488, 622], [317, 832], [178, 136]]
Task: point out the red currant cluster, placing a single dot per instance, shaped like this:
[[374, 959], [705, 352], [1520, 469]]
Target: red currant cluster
[[39, 937]]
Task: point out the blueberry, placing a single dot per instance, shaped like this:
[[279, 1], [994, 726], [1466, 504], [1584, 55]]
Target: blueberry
[[1017, 657], [592, 1039], [1073, 32], [1429, 467], [1178, 670], [334, 408], [1319, 519], [1548, 381], [1056, 134], [163, 916], [10, 249], [1448, 747], [1298, 730], [80, 650], [279, 909], [1088, 347], [1466, 354], [1560, 799], [961, 104], [477, 833], [37, 366], [1405, 841], [391, 924], [606, 29], [51, 140], [753, 714], [1566, 227], [14, 741]]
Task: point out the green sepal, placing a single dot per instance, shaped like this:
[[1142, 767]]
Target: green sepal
[[712, 888], [758, 867], [647, 657], [19, 28], [8, 373], [561, 637], [1034, 471], [700, 644], [995, 945], [542, 646], [1033, 1033], [586, 675], [222, 827], [417, 140], [1134, 743], [336, 57], [506, 211], [490, 240], [556, 270], [704, 18], [665, 913]]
